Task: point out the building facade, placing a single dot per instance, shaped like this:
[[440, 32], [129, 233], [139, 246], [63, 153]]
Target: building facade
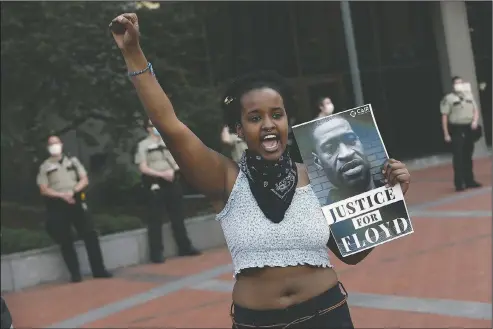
[[405, 53]]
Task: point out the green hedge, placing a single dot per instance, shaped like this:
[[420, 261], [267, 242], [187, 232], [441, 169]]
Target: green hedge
[[109, 224], [23, 226], [20, 239]]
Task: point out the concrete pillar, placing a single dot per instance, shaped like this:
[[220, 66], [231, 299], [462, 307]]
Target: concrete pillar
[[455, 50], [352, 53]]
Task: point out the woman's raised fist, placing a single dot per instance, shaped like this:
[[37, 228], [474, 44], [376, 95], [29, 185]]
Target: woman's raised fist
[[125, 30]]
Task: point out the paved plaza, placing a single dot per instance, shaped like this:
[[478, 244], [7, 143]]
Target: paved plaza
[[438, 277]]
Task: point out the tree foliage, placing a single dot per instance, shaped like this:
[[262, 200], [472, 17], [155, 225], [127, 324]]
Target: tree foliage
[[60, 67]]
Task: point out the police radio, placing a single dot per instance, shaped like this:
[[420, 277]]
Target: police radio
[[80, 197]]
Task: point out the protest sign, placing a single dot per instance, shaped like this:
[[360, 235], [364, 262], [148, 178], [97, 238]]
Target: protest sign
[[344, 155]]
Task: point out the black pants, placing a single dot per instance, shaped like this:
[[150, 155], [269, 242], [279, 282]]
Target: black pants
[[462, 150], [61, 217], [328, 310], [168, 197], [6, 318]]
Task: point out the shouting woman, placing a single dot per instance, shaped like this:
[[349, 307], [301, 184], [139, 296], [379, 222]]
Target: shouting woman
[[270, 216]]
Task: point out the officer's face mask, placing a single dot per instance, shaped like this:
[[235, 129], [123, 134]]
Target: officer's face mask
[[462, 87], [154, 130], [55, 149], [329, 108]]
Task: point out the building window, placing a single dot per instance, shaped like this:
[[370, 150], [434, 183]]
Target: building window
[[320, 35], [261, 37], [400, 74], [479, 19]]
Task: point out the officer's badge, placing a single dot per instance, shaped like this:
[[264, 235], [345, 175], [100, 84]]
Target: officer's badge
[[153, 146], [82, 196], [51, 167]]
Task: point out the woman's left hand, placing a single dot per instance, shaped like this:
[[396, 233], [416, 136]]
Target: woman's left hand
[[396, 172]]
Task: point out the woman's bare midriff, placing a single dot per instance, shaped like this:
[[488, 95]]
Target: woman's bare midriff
[[280, 287]]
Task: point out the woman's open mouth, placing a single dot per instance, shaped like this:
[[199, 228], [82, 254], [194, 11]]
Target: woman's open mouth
[[270, 143]]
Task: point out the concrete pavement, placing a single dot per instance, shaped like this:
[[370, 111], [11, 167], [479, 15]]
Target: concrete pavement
[[440, 276]]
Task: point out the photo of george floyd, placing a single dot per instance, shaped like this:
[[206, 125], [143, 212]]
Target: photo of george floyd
[[345, 155]]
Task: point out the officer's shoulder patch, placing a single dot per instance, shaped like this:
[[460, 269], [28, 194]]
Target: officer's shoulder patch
[[142, 141], [450, 97], [46, 163], [48, 167]]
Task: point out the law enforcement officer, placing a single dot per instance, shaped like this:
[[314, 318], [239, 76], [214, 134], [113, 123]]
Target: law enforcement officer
[[161, 179], [62, 181], [459, 119], [325, 106], [6, 317], [236, 144], [294, 150]]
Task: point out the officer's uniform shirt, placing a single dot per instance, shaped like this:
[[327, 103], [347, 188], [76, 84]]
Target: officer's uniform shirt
[[239, 146], [60, 176], [458, 107], [156, 155]]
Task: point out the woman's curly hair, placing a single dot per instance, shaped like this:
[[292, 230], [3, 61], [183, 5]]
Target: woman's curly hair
[[231, 104]]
